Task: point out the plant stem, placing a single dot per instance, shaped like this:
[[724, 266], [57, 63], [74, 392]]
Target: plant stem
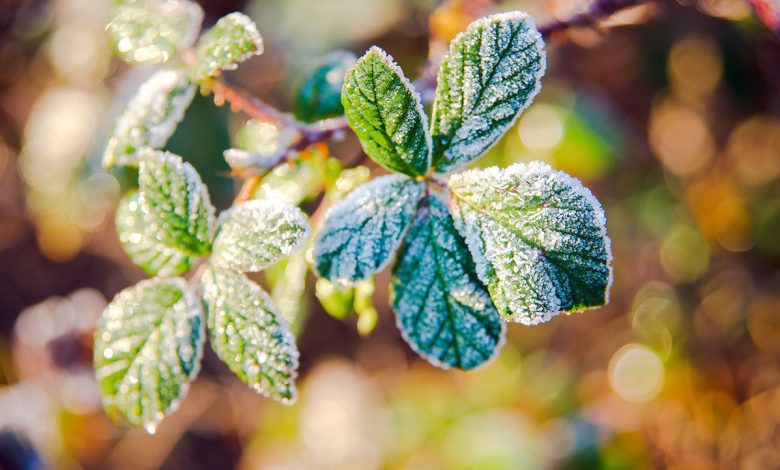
[[247, 189], [598, 10]]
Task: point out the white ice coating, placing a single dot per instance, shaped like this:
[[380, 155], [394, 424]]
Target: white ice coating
[[360, 234], [148, 350], [150, 117], [249, 335], [232, 40], [490, 75], [538, 238], [256, 234]]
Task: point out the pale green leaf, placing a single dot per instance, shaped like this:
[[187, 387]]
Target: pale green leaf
[[287, 283], [148, 346], [361, 232], [247, 332], [153, 31], [176, 204], [258, 233], [234, 39], [538, 237], [150, 117], [489, 76], [442, 308], [140, 244], [319, 95], [386, 114]]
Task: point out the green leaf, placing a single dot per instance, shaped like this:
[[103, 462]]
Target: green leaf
[[319, 95], [287, 283], [258, 233], [443, 310], [150, 117], [489, 76], [260, 146], [247, 332], [386, 114], [538, 237], [152, 31], [175, 202], [234, 39], [360, 233], [140, 244], [337, 301], [148, 346]]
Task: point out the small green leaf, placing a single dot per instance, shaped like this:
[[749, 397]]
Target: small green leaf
[[150, 117], [287, 283], [247, 332], [360, 233], [538, 237], [319, 95], [146, 251], [176, 203], [260, 146], [386, 114], [258, 233], [489, 76], [148, 346], [234, 39], [152, 31], [337, 301], [443, 310]]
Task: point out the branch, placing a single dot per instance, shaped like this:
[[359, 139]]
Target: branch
[[598, 10]]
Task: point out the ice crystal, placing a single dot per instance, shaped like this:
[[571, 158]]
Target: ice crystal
[[361, 232], [150, 117], [152, 31], [538, 237], [490, 74], [176, 204], [247, 332], [148, 346], [141, 244], [234, 39], [443, 310], [386, 114], [258, 233]]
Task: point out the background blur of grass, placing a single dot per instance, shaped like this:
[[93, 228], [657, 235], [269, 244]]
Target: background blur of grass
[[671, 116]]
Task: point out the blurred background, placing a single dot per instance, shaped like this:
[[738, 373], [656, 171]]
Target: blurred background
[[669, 112]]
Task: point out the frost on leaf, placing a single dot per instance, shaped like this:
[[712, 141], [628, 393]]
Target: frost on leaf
[[152, 31], [176, 204], [260, 145], [247, 332], [490, 74], [319, 95], [148, 346], [442, 309], [361, 232], [258, 233], [150, 117], [140, 244], [538, 237], [386, 114], [234, 39]]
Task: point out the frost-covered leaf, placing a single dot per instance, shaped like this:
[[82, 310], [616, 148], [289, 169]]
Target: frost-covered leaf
[[260, 145], [386, 114], [234, 39], [176, 204], [258, 233], [538, 237], [148, 346], [360, 233], [152, 31], [247, 332], [490, 74], [443, 310], [150, 117], [140, 244], [319, 95]]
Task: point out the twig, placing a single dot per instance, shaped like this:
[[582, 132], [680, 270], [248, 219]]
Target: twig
[[247, 189], [598, 10]]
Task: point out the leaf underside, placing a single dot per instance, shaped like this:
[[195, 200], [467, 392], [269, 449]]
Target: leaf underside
[[140, 244], [490, 74], [386, 114], [249, 335], [176, 203], [442, 308], [148, 345], [538, 238], [361, 232], [232, 40], [150, 117]]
